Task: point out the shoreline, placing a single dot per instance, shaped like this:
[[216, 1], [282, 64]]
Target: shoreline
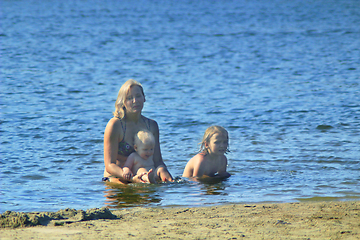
[[299, 220]]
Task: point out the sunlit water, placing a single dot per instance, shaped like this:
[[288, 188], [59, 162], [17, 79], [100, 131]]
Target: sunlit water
[[281, 76]]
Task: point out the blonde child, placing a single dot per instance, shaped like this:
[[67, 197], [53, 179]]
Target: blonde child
[[141, 161], [211, 160]]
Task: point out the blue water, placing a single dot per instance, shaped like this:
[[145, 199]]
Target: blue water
[[282, 76]]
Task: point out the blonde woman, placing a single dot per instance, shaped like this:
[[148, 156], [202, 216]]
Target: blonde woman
[[120, 131]]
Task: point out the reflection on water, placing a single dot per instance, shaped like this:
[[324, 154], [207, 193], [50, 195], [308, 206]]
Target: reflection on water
[[216, 189], [139, 194], [120, 196]]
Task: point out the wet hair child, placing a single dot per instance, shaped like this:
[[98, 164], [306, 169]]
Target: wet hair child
[[211, 160], [141, 161]]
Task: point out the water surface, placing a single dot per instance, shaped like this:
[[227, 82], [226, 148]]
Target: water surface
[[282, 77]]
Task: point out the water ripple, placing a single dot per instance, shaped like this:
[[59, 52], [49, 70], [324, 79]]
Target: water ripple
[[281, 77]]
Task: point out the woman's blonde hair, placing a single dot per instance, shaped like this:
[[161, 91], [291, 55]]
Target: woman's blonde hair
[[209, 132], [119, 104]]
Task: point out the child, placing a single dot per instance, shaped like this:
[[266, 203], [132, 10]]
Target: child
[[211, 161], [141, 161]]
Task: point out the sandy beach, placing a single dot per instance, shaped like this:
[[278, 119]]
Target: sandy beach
[[304, 220]]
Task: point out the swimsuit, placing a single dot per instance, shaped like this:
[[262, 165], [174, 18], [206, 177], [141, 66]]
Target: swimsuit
[[126, 149]]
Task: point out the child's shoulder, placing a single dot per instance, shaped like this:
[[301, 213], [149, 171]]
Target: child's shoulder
[[200, 157], [134, 155]]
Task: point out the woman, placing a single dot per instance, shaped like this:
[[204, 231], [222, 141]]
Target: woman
[[121, 129]]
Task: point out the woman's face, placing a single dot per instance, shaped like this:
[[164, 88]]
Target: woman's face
[[134, 101]]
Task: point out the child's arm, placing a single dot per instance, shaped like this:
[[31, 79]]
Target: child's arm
[[218, 176], [198, 170], [222, 173], [127, 173], [194, 167]]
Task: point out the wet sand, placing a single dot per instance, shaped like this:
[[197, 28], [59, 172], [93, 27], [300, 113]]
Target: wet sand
[[304, 220]]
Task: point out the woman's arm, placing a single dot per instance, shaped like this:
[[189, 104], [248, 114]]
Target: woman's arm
[[157, 152], [157, 157], [111, 141]]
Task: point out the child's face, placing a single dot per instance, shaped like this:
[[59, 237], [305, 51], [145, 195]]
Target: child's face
[[217, 144], [145, 150]]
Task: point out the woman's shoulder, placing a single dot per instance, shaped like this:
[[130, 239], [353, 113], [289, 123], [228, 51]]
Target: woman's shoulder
[[151, 123], [224, 158], [114, 120], [114, 123]]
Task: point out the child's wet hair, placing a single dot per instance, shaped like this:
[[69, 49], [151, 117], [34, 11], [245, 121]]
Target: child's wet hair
[[209, 132]]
